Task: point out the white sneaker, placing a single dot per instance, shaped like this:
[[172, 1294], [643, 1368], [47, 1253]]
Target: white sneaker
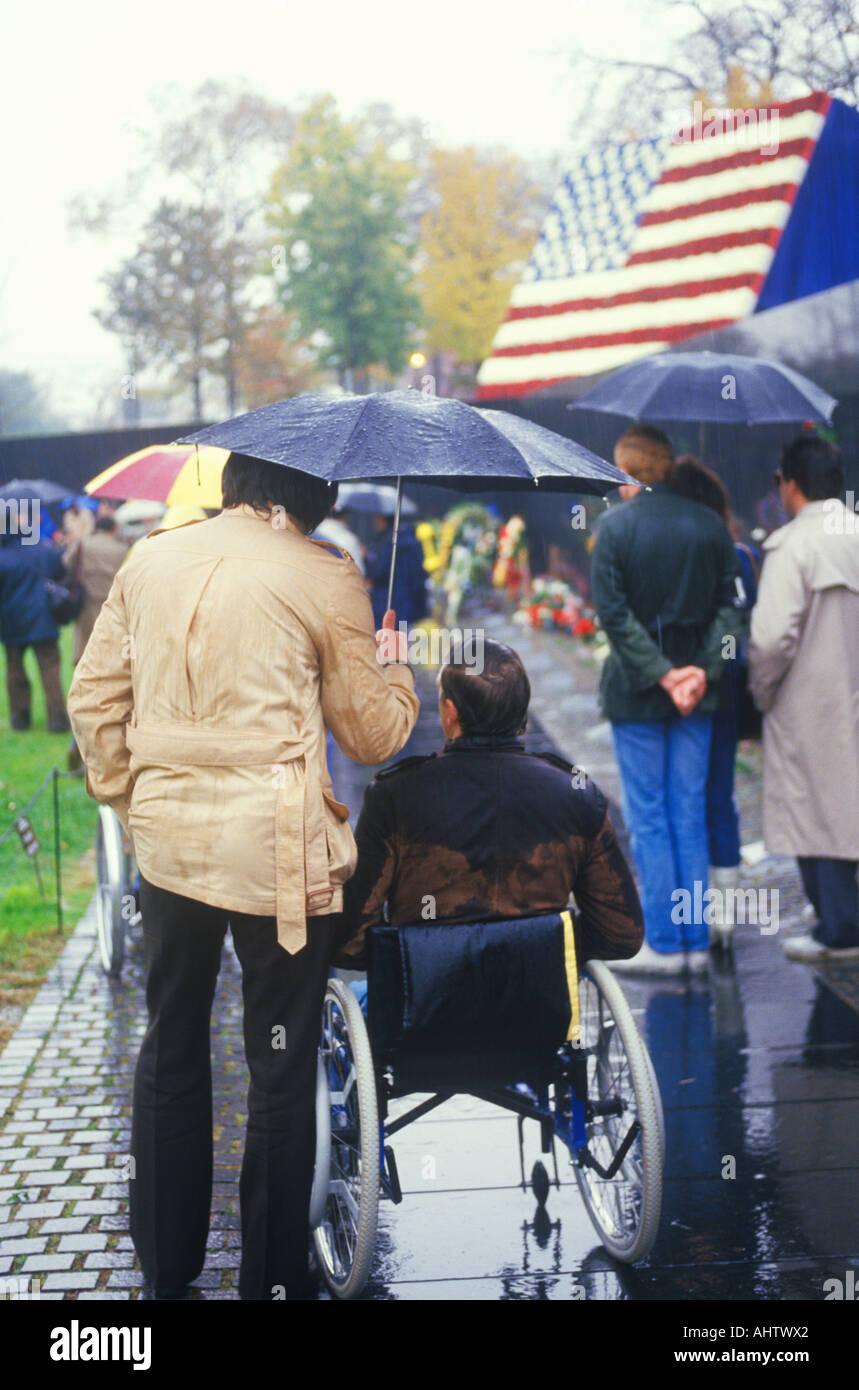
[[697, 961], [722, 909], [808, 950], [650, 962]]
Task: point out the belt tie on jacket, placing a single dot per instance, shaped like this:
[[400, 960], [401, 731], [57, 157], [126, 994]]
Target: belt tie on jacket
[[301, 849]]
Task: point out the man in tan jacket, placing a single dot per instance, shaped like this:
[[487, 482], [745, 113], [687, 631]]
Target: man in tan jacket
[[224, 651]]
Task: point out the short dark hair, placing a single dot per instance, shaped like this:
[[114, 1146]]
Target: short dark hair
[[815, 465], [690, 478], [263, 485], [491, 697]]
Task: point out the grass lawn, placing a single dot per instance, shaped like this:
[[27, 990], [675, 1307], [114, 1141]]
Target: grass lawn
[[29, 939]]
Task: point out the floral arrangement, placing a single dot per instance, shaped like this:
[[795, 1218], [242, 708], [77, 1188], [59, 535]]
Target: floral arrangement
[[511, 570], [552, 604], [459, 552]]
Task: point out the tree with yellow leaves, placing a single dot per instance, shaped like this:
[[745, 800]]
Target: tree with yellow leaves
[[474, 241]]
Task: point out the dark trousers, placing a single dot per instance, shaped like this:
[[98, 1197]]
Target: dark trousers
[[18, 685], [171, 1136], [723, 822], [830, 886]]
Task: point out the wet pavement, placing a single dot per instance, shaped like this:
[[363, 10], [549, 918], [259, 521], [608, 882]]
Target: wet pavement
[[758, 1064]]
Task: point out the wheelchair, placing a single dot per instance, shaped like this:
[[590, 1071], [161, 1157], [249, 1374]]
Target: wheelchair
[[116, 902], [592, 1090]]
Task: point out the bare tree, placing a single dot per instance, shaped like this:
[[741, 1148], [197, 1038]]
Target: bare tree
[[214, 154], [759, 50]]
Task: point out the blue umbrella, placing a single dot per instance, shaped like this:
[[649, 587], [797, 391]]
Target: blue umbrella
[[710, 387], [33, 490], [405, 434], [380, 500]]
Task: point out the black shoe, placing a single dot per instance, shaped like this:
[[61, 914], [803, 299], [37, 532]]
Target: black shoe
[[152, 1293], [20, 722], [59, 727]]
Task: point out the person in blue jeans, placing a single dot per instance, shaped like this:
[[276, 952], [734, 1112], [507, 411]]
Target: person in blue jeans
[[664, 585], [690, 478]]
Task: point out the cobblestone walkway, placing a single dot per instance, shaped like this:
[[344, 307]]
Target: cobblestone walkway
[[65, 1092]]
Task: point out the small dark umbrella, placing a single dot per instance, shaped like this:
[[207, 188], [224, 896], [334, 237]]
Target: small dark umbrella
[[405, 434], [33, 490], [710, 387], [380, 500]]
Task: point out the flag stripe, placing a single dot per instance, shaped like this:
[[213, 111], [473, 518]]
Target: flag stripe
[[667, 236], [734, 159], [772, 193], [653, 313], [767, 236], [671, 333], [688, 289]]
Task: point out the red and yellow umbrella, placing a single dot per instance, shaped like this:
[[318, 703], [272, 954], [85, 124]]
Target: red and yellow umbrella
[[172, 473]]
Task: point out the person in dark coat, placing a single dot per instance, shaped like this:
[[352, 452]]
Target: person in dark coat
[[664, 586], [690, 478], [484, 831], [410, 581], [26, 564]]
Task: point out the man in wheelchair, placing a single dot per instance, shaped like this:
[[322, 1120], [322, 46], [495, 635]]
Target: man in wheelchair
[[485, 831], [461, 910]]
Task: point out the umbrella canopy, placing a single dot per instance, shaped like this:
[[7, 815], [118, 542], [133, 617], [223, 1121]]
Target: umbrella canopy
[[709, 387], [380, 500], [405, 434], [33, 490], [165, 473]]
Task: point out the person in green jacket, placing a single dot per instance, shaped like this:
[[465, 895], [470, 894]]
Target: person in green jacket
[[665, 587]]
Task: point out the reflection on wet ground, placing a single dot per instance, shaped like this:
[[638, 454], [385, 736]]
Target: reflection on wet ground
[[759, 1069]]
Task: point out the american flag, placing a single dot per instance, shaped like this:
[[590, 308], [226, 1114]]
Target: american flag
[[650, 242]]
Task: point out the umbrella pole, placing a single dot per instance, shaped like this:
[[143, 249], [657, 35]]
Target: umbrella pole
[[394, 541]]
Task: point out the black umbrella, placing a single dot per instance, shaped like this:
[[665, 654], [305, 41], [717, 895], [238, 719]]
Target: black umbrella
[[33, 490], [405, 434], [377, 499], [710, 387]]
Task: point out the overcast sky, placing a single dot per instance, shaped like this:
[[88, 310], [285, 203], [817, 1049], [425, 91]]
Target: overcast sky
[[77, 78]]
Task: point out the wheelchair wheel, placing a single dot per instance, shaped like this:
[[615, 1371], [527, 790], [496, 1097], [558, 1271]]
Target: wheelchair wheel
[[624, 1107], [345, 1236], [322, 1167], [111, 880]]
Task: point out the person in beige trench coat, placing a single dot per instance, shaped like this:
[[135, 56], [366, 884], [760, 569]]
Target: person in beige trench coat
[[94, 560], [221, 656], [804, 675]]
